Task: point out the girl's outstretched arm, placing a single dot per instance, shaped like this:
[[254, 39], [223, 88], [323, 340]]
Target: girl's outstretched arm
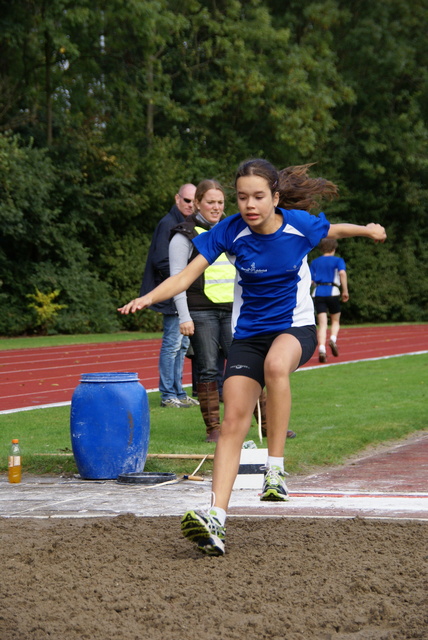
[[344, 230], [169, 287]]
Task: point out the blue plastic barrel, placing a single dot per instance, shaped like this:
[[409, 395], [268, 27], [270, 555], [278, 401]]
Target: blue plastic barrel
[[110, 425]]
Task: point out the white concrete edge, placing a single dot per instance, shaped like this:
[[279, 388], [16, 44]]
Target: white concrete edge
[[327, 517], [229, 515]]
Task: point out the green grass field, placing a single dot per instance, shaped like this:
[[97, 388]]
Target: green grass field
[[61, 340], [337, 412]]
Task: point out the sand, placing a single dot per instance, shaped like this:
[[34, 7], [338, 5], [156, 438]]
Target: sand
[[281, 579]]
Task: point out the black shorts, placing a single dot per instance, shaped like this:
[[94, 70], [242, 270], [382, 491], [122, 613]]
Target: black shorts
[[327, 303], [247, 357]]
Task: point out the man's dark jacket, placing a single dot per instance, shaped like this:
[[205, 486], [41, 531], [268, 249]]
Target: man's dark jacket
[[157, 265]]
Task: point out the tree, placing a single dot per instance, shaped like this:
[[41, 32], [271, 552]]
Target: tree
[[107, 107]]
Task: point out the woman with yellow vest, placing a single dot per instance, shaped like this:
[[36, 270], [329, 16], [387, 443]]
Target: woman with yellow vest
[[205, 309]]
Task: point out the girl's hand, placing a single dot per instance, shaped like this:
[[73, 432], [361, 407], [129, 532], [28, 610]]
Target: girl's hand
[[377, 232], [135, 305], [187, 328]]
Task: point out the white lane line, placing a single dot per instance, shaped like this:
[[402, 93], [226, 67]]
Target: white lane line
[[316, 367], [60, 404]]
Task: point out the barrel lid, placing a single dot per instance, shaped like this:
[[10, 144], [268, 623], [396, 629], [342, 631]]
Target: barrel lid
[[109, 376], [145, 477]]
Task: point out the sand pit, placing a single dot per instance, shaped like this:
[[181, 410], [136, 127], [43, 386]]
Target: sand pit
[[129, 578]]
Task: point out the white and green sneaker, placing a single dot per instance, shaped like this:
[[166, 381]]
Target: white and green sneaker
[[203, 528], [189, 401], [175, 403], [274, 487]]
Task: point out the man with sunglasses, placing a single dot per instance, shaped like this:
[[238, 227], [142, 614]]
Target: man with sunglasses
[[174, 345]]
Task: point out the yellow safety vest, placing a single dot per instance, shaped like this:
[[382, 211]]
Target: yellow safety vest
[[219, 278]]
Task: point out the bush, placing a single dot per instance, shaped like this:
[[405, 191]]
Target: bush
[[45, 309]]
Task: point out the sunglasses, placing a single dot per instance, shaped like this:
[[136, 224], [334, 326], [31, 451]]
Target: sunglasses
[[188, 200]]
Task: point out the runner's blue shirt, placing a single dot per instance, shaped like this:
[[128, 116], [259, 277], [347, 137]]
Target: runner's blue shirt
[[325, 269], [272, 285]]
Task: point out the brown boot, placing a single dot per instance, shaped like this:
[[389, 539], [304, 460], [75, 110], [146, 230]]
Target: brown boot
[[209, 403], [262, 400]]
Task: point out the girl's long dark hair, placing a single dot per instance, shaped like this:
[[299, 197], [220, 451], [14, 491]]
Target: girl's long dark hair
[[296, 189]]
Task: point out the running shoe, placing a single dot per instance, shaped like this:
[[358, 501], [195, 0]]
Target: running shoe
[[188, 400], [274, 487], [203, 528], [322, 356], [334, 348], [174, 403]]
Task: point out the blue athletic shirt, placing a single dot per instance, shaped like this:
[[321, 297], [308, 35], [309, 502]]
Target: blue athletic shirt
[[272, 284], [325, 269]]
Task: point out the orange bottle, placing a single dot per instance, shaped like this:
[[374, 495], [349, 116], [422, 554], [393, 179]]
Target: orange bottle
[[15, 464]]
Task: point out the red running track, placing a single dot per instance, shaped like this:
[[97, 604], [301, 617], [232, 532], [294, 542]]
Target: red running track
[[49, 375]]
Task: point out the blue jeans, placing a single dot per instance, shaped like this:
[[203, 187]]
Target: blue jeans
[[213, 329], [171, 359]]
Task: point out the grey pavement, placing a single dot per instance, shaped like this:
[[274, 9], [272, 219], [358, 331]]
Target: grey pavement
[[74, 498], [391, 482]]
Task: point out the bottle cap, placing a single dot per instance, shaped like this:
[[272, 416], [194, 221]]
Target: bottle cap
[[15, 441]]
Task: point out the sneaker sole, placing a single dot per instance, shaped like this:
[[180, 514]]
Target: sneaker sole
[[195, 530], [176, 406], [212, 547], [271, 495], [334, 349]]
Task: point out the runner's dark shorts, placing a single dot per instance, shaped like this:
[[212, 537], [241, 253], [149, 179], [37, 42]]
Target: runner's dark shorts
[[246, 357], [327, 303]]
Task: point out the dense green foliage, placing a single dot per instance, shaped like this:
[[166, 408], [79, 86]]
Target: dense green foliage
[[107, 107]]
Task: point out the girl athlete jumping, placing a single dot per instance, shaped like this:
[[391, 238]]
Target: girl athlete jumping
[[273, 319]]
